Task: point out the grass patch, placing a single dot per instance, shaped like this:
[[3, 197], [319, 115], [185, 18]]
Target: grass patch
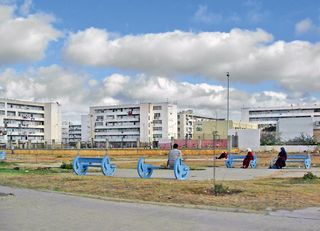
[[6, 164], [38, 171], [252, 194]]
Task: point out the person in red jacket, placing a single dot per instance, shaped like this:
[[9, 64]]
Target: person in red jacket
[[247, 159]]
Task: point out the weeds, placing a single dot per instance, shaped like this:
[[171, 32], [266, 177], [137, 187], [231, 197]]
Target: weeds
[[309, 176]]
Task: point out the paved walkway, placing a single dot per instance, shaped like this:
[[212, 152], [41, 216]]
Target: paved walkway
[[222, 173], [35, 210]]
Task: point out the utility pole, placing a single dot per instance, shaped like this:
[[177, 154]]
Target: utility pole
[[228, 142]]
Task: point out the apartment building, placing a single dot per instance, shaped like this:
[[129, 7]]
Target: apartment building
[[286, 122], [74, 133], [127, 125], [206, 129], [186, 121], [269, 116], [27, 121], [65, 132], [85, 128]]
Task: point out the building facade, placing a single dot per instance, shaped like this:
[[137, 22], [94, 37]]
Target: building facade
[[74, 133], [30, 122], [269, 116], [286, 122], [186, 121], [65, 132], [129, 125], [85, 129], [207, 129]]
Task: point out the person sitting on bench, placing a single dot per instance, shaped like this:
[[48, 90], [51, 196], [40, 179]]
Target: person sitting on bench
[[223, 155], [247, 159], [281, 160], [173, 155]]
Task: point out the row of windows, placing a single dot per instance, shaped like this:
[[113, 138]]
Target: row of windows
[[118, 130], [22, 123], [252, 119], [29, 107], [262, 112], [135, 109]]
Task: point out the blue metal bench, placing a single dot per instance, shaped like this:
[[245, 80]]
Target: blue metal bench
[[181, 171], [81, 165], [235, 158], [298, 158], [2, 155]]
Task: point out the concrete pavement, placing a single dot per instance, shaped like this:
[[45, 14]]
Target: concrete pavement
[[36, 210], [223, 173]]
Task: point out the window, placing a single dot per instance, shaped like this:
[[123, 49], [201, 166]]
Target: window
[[157, 129], [157, 108], [157, 122], [156, 115]]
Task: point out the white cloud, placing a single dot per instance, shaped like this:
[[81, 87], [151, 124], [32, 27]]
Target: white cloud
[[250, 56], [304, 26], [25, 7], [24, 38], [72, 90], [202, 15]]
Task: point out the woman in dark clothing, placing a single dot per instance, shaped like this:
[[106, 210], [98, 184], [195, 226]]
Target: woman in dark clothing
[[247, 159], [223, 155], [282, 157], [281, 160]]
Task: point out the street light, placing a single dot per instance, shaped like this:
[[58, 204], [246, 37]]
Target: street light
[[228, 143]]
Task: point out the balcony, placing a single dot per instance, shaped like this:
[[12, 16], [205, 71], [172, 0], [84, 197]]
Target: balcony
[[27, 110], [137, 125], [117, 133], [25, 118]]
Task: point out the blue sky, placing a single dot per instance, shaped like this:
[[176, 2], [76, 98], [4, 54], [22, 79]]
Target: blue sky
[[84, 53]]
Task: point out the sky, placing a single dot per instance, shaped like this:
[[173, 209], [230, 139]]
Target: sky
[[91, 53]]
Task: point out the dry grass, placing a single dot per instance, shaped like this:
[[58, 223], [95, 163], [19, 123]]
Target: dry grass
[[194, 161], [253, 194]]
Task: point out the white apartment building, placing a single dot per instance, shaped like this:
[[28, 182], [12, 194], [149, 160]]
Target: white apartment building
[[269, 116], [74, 133], [186, 121], [85, 128], [126, 125], [27, 121], [65, 132]]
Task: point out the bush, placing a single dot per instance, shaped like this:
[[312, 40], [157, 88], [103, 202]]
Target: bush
[[66, 166], [302, 140], [309, 176], [219, 189]]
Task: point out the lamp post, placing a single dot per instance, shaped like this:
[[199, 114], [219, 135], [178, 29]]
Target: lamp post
[[228, 143]]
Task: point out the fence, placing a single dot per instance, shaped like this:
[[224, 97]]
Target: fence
[[196, 144]]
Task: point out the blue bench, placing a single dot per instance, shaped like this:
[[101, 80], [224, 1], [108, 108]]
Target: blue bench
[[181, 171], [81, 165], [2, 155], [235, 158], [298, 158]]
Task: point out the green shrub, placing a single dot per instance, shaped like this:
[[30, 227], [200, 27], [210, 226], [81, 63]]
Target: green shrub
[[309, 176], [66, 166], [219, 189]]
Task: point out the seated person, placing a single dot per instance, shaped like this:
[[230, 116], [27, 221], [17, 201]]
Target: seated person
[[281, 160], [173, 155], [247, 159], [223, 155]]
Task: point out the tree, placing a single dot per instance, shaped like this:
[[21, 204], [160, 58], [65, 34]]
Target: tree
[[269, 138], [302, 140]]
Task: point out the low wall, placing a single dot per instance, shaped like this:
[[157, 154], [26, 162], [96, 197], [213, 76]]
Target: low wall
[[112, 152], [289, 148]]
